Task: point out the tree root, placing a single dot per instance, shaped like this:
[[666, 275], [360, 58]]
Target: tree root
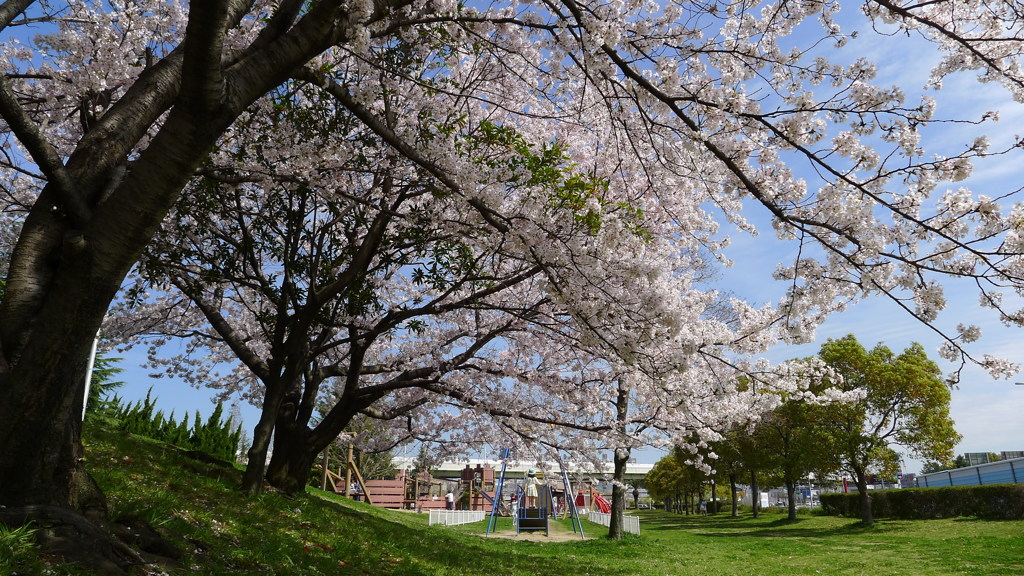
[[102, 548]]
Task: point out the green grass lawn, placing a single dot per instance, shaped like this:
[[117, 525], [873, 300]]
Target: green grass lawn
[[197, 506]]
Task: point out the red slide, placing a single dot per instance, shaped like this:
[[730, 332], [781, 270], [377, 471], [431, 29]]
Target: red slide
[[600, 501]]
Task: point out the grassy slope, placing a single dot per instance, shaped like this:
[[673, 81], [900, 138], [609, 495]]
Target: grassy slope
[[197, 506]]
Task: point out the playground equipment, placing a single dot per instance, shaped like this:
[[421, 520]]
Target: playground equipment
[[570, 501], [418, 492], [475, 488], [596, 498], [496, 502], [334, 479], [535, 517], [421, 491]]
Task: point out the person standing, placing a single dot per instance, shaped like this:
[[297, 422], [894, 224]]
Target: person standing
[[531, 489], [449, 499]]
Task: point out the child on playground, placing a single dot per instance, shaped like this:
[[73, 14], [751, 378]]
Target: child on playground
[[530, 491]]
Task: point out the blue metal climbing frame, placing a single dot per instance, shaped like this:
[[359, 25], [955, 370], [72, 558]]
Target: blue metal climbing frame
[[570, 499], [492, 521]]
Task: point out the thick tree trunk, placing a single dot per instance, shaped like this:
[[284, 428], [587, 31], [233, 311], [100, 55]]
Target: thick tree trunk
[[87, 228], [41, 427], [296, 446], [755, 495], [861, 478], [252, 479], [616, 529], [621, 458], [256, 461], [791, 498], [57, 295], [733, 491], [293, 458]]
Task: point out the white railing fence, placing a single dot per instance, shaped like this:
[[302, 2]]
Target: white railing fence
[[455, 517], [630, 524]]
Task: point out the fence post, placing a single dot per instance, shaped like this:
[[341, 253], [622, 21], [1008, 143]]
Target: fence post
[[323, 474]]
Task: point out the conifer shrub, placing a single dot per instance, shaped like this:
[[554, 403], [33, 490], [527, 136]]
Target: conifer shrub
[[217, 437]]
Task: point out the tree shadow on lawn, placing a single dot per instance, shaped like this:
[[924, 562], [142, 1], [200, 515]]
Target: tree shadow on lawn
[[458, 553], [758, 527]]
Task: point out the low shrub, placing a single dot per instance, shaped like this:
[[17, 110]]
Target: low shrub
[[993, 502], [217, 437]]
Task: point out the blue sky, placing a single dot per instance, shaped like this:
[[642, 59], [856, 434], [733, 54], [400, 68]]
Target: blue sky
[[987, 412]]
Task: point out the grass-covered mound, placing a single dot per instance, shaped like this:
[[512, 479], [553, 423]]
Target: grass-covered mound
[[194, 505]]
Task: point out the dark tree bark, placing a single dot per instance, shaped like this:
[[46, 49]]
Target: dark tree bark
[[616, 530], [733, 492], [252, 478], [755, 495], [292, 459], [91, 221], [95, 214], [861, 479], [791, 498]]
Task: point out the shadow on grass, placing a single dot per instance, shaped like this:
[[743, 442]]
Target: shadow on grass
[[767, 526], [449, 551], [224, 532]]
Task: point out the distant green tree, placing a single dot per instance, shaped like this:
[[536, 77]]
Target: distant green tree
[[905, 404], [729, 466], [665, 480], [425, 459], [758, 450], [676, 482], [798, 434]]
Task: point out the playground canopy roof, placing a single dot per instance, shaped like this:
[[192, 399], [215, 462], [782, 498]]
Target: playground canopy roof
[[518, 468]]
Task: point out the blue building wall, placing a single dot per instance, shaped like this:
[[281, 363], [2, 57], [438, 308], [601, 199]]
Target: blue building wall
[[1002, 472]]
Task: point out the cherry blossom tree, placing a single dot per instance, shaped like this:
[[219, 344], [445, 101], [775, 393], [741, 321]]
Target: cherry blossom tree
[[357, 272], [987, 37], [105, 121], [682, 112], [356, 276]]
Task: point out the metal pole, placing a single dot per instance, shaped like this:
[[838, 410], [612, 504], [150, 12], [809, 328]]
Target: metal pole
[[88, 374], [348, 473]]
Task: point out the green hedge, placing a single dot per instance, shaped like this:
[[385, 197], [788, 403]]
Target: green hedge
[[216, 437], [994, 502]]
